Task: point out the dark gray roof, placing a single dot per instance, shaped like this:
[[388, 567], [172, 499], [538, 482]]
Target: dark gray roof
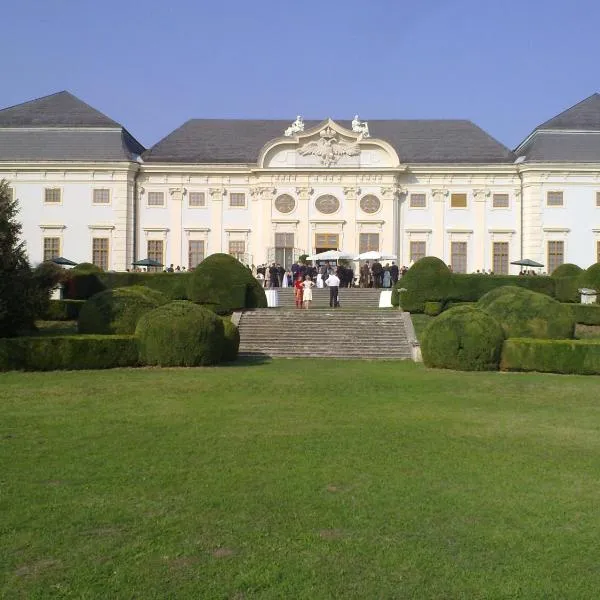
[[57, 110], [240, 141], [64, 144], [62, 127], [548, 146], [584, 116]]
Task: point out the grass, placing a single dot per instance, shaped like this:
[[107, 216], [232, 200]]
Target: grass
[[299, 479]]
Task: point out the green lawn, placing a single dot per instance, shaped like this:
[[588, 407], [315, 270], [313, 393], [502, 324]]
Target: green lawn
[[299, 479]]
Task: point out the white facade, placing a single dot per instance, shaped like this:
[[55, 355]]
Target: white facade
[[325, 187]]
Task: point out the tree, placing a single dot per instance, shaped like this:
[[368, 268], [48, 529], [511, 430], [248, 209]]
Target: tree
[[16, 280]]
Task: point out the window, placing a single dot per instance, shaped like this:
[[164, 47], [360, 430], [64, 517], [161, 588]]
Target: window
[[52, 195], [156, 198], [284, 249], [368, 242], [417, 251], [156, 252], [327, 241], [458, 201], [101, 197], [237, 248], [458, 257], [237, 200], [418, 201], [500, 201], [500, 258], [51, 247], [556, 255], [554, 199], [195, 253], [100, 252], [197, 199], [598, 199]]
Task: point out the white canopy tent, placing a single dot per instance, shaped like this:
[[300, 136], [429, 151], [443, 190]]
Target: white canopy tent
[[374, 255], [332, 255]]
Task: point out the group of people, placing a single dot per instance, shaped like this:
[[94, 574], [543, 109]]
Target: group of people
[[377, 276]]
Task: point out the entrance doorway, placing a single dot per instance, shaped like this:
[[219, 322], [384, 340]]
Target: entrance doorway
[[326, 241]]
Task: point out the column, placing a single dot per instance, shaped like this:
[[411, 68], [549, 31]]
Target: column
[[305, 238], [216, 234], [439, 235], [392, 197], [479, 233], [176, 226], [265, 233], [350, 242], [532, 221]]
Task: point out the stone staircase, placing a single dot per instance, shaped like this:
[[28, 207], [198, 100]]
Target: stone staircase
[[349, 298], [295, 333]]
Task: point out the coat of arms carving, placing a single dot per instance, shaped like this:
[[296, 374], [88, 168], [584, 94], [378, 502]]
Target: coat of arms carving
[[328, 148]]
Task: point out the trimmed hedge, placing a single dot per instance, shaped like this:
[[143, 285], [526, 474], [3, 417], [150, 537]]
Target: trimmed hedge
[[71, 352], [224, 284], [586, 314], [180, 334], [566, 288], [118, 311], [590, 278], [231, 341], [551, 356], [463, 338], [567, 270], [523, 313], [429, 280], [63, 310], [86, 267], [433, 309]]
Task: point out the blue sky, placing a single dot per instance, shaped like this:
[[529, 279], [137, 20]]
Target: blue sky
[[152, 65]]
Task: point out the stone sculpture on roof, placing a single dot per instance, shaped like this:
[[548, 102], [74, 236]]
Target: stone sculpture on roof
[[360, 127], [296, 127]]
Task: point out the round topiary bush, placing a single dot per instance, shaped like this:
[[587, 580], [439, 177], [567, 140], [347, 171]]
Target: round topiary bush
[[523, 313], [224, 284], [231, 342], [590, 278], [118, 310], [428, 280], [180, 334], [86, 267], [463, 338], [566, 270]]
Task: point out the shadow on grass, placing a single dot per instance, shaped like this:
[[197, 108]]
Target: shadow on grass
[[249, 359]]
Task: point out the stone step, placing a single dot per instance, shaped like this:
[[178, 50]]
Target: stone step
[[369, 333]]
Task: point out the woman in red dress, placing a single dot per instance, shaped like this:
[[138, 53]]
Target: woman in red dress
[[298, 288]]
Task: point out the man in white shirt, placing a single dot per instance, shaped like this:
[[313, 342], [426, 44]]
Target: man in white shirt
[[333, 283]]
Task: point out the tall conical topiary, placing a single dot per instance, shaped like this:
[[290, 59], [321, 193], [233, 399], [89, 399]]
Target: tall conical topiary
[[17, 294]]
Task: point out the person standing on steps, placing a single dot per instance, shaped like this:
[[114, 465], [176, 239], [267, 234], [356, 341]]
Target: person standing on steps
[[307, 286], [333, 283], [298, 289]]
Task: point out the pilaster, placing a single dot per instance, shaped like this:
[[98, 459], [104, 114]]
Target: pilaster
[[480, 197], [439, 197], [351, 194], [305, 236], [216, 234], [176, 254]]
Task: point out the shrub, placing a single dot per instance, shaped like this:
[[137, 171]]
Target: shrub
[[117, 311], [566, 288], [586, 314], [590, 277], [68, 352], [470, 288], [81, 286], [223, 284], [523, 313], [63, 310], [86, 267], [433, 309], [180, 334], [172, 285], [231, 342], [428, 280], [463, 338], [566, 270], [551, 356]]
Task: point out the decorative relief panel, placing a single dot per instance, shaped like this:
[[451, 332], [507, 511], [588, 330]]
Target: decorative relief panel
[[285, 203], [370, 204], [327, 204]]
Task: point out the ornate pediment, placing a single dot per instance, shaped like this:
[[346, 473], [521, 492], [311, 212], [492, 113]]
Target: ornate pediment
[[329, 145]]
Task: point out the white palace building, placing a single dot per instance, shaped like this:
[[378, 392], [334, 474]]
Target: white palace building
[[268, 190]]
